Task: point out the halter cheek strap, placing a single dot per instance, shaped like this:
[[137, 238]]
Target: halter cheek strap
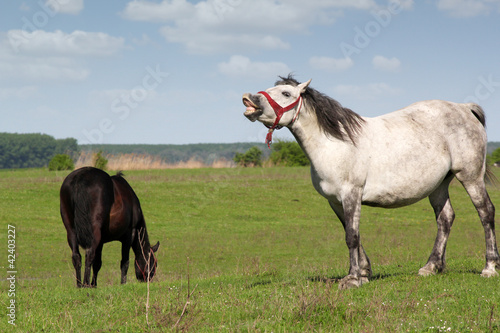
[[279, 111]]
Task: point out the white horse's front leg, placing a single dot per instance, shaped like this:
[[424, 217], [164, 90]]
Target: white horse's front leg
[[359, 267], [357, 276]]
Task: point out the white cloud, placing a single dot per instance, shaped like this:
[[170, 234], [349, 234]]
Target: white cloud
[[366, 92], [240, 66], [203, 42], [468, 8], [52, 56], [25, 92], [386, 64], [331, 64], [41, 70], [224, 26], [157, 12], [77, 43], [65, 6]]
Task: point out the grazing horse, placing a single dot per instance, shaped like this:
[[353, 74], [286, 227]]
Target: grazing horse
[[96, 209], [388, 161]]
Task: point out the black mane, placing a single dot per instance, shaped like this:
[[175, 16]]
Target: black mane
[[333, 119]]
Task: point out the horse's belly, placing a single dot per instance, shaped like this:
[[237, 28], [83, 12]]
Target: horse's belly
[[393, 194], [389, 201]]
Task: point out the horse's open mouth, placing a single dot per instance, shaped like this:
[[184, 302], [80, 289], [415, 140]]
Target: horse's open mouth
[[253, 111]]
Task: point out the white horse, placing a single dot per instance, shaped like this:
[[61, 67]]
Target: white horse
[[388, 161]]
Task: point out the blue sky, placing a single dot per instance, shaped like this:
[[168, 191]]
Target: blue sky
[[173, 71]]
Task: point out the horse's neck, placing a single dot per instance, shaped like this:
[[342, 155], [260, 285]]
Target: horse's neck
[[332, 159], [315, 143]]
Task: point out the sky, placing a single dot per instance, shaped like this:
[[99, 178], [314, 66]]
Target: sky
[[174, 71]]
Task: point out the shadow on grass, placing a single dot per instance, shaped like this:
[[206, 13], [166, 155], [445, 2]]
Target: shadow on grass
[[383, 276], [259, 283], [336, 279], [464, 270]]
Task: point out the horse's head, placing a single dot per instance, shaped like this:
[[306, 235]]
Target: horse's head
[[142, 265], [271, 107]]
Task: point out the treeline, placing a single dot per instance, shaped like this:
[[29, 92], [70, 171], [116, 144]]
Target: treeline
[[492, 146], [32, 150], [36, 150], [203, 152]]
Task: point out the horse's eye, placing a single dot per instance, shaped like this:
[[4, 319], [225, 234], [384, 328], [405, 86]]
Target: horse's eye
[[286, 94]]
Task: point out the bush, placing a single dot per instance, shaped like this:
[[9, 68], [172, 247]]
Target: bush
[[100, 161], [61, 162], [252, 157], [288, 153]]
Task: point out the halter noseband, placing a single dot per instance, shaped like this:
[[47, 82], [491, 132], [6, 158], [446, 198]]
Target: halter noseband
[[279, 111]]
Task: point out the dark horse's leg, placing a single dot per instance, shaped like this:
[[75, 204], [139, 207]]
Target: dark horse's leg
[[360, 268], [89, 260], [99, 217], [440, 201], [125, 259], [76, 258], [68, 220], [96, 266]]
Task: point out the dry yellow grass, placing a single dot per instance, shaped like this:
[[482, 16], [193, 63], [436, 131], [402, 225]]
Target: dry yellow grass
[[146, 162]]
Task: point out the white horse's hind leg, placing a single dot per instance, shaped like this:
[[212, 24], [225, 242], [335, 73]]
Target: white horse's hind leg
[[486, 210], [440, 201]]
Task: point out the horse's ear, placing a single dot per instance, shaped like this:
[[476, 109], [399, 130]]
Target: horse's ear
[[304, 85], [155, 247]]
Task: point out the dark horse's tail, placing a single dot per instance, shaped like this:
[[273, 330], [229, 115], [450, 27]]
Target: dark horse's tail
[[88, 194], [82, 213]]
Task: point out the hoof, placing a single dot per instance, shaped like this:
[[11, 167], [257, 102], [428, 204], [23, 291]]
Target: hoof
[[487, 273], [489, 269], [425, 271], [350, 281]]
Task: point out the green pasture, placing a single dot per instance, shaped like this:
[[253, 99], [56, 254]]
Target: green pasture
[[257, 250]]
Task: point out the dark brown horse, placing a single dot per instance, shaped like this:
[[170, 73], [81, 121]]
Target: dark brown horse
[[96, 209]]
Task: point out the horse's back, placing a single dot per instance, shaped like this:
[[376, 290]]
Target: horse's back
[[409, 152], [86, 180], [441, 127]]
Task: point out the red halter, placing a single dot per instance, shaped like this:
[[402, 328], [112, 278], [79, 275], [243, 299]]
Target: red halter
[[279, 111]]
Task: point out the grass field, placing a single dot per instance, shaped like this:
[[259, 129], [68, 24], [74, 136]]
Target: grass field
[[256, 249]]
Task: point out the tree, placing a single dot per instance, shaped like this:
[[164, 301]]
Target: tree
[[66, 146], [32, 150], [288, 153], [495, 156], [100, 161], [252, 157], [61, 162]]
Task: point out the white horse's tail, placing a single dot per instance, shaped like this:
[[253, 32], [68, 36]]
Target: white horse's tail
[[478, 112], [489, 176]]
